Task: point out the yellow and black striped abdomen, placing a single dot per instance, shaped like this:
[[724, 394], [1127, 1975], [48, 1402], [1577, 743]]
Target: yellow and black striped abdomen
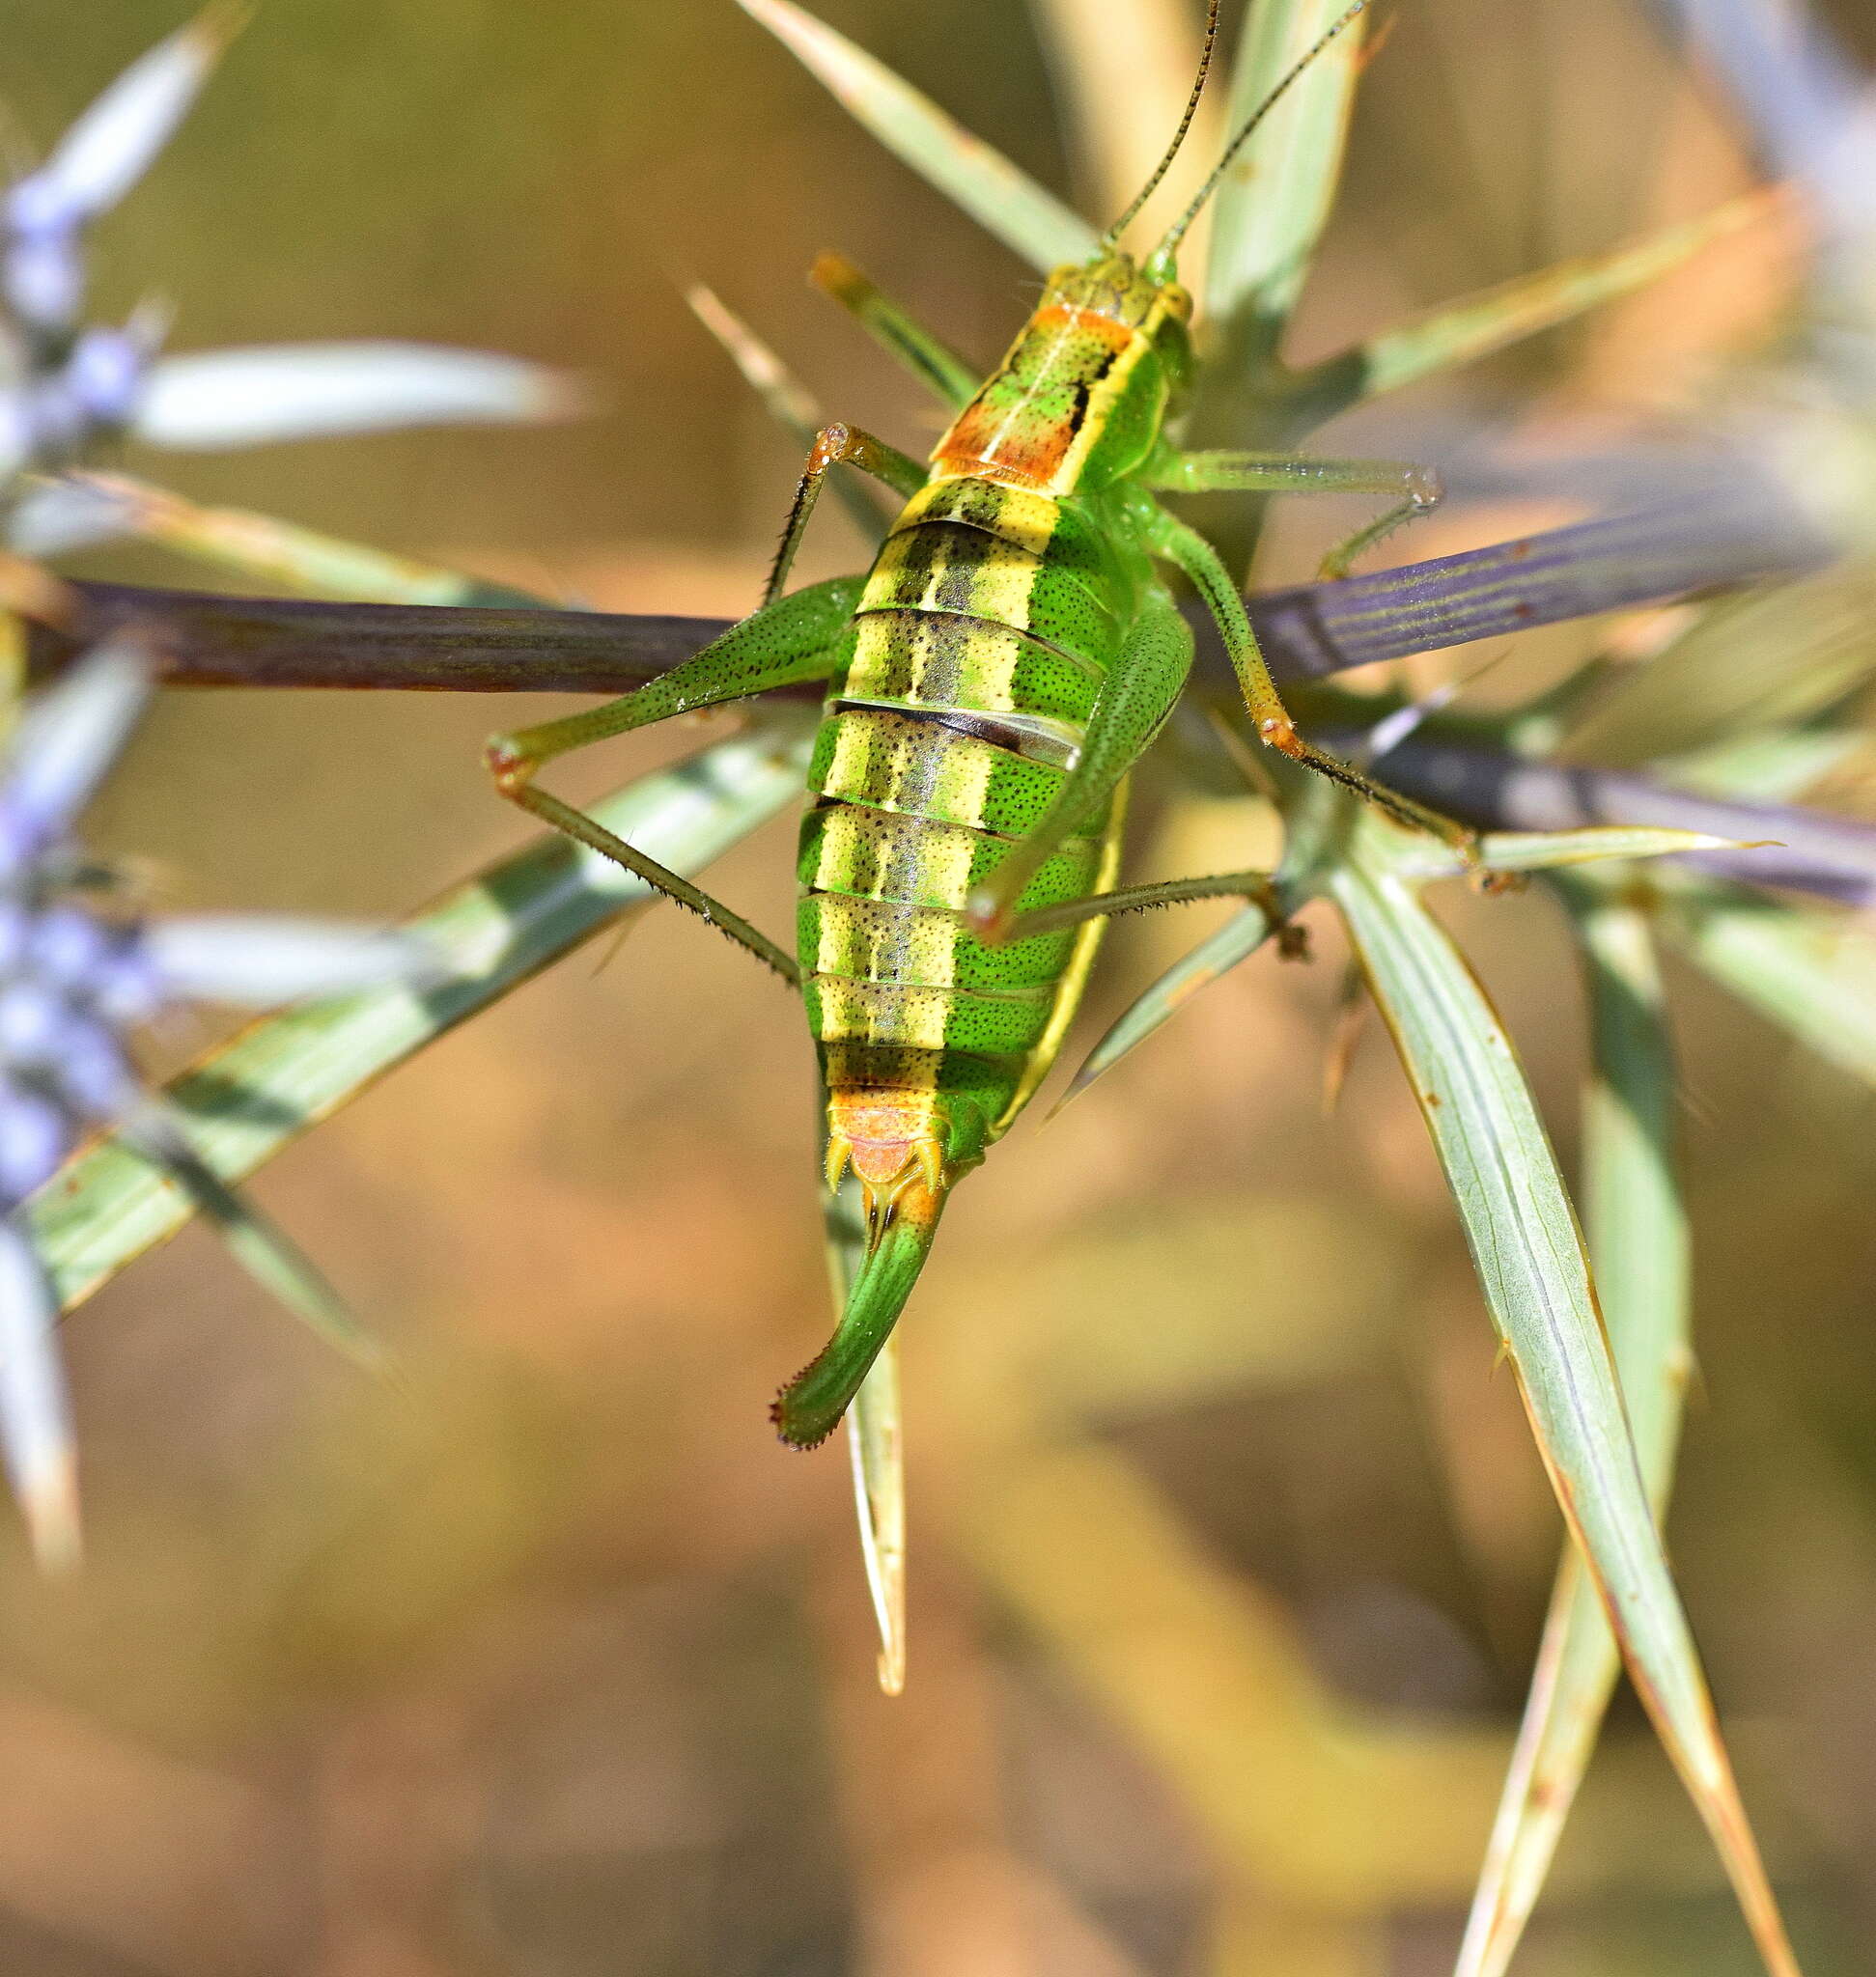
[[980, 642]]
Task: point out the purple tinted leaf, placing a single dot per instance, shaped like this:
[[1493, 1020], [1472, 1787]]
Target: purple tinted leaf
[[1809, 851], [1578, 572]]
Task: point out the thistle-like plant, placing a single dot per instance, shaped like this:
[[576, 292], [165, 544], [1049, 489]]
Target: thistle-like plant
[[69, 389], [1703, 772]]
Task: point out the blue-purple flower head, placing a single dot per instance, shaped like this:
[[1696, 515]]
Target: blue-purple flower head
[[78, 975], [67, 387]]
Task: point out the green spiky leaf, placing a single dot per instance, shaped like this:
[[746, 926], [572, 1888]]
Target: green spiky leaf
[[1275, 201], [1519, 1225], [1640, 1243], [999, 196]]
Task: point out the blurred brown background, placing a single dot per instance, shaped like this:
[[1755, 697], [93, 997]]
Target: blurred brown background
[[1230, 1550]]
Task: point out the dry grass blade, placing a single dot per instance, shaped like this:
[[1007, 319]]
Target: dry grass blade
[[1120, 67]]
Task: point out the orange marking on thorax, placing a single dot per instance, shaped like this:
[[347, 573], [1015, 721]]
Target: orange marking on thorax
[[1016, 443], [1110, 328]]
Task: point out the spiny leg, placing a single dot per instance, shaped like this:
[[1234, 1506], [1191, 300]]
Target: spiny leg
[[1296, 473], [1140, 690], [795, 639], [577, 824], [838, 445], [1257, 887], [896, 331], [1166, 536]]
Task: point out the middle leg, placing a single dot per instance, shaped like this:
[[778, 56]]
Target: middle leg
[[1166, 536]]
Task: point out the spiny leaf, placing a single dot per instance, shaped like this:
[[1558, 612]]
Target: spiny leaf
[[1476, 325], [260, 546], [1313, 821], [1505, 1180], [252, 396], [789, 403], [1780, 843], [1640, 1243], [262, 960], [875, 1444], [1216, 956], [896, 331], [119, 137], [250, 1097], [876, 1438], [999, 196], [256, 1241], [1544, 850], [35, 1437]]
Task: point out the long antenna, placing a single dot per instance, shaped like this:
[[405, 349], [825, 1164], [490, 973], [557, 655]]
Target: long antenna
[[1160, 171], [1161, 257]]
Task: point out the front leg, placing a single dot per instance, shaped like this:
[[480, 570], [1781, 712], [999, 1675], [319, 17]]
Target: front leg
[[837, 446], [1417, 487]]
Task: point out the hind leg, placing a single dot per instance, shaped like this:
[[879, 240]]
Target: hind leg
[[794, 640]]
